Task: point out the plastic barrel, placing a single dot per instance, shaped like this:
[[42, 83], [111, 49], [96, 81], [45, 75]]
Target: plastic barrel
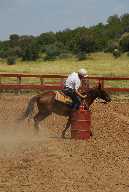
[[81, 124]]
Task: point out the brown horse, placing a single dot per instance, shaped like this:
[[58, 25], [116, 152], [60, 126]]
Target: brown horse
[[47, 105]]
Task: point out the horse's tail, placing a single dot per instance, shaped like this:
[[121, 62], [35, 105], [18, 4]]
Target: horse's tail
[[29, 110]]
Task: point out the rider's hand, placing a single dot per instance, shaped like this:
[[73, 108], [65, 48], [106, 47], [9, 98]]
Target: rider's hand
[[84, 96]]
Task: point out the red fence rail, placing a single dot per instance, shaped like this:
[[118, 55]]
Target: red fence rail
[[47, 82]]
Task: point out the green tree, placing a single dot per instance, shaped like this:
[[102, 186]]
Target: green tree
[[124, 42], [45, 39], [125, 22], [14, 37], [112, 45], [52, 51], [85, 42], [114, 28]]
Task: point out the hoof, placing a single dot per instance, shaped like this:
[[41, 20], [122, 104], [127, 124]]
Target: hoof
[[63, 136]]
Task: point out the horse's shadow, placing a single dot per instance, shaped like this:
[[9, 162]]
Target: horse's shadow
[[59, 137]]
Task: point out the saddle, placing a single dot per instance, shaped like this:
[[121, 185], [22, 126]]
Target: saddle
[[61, 97]]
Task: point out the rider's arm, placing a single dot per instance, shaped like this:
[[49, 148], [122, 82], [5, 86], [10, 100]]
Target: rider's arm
[[80, 95]]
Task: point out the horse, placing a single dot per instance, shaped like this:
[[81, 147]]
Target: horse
[[47, 104]]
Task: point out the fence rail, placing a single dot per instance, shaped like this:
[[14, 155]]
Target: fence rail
[[55, 82]]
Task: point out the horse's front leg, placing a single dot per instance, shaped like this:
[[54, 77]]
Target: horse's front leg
[[66, 127]]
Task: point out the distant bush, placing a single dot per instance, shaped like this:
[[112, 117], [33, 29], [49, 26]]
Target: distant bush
[[81, 56], [11, 60], [65, 55], [116, 53]]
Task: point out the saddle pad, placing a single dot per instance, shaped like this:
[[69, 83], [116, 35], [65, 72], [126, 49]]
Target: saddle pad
[[62, 98]]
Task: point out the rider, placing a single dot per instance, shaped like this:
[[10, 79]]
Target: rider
[[71, 87]]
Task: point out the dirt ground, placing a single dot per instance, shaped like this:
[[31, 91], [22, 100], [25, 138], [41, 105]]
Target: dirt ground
[[48, 163]]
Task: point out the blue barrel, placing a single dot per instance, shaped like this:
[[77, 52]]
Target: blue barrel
[[81, 124]]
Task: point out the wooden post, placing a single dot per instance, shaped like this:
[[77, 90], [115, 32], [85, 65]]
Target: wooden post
[[18, 82], [62, 82], [41, 80], [1, 83], [102, 83]]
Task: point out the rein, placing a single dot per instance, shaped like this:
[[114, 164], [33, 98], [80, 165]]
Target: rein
[[83, 103]]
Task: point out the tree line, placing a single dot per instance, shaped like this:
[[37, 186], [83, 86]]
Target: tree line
[[110, 37]]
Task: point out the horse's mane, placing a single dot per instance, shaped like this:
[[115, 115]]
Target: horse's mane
[[92, 91]]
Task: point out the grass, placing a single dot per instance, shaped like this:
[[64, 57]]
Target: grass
[[98, 64]]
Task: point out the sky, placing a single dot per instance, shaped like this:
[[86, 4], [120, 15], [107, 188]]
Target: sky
[[33, 17]]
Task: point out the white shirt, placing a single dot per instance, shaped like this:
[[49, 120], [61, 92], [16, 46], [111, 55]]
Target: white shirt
[[73, 81]]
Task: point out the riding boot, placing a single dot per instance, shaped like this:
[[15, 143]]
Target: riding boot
[[75, 107], [71, 105]]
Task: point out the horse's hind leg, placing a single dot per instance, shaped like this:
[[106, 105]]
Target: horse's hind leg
[[39, 117], [66, 127]]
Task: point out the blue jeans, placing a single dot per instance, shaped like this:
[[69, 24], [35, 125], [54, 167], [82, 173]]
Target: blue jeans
[[76, 100]]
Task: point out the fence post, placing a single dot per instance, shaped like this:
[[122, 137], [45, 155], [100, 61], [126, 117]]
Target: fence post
[[1, 83], [19, 83], [41, 80], [62, 82], [102, 83]]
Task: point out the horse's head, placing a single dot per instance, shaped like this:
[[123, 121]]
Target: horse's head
[[98, 92], [102, 94], [93, 93]]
